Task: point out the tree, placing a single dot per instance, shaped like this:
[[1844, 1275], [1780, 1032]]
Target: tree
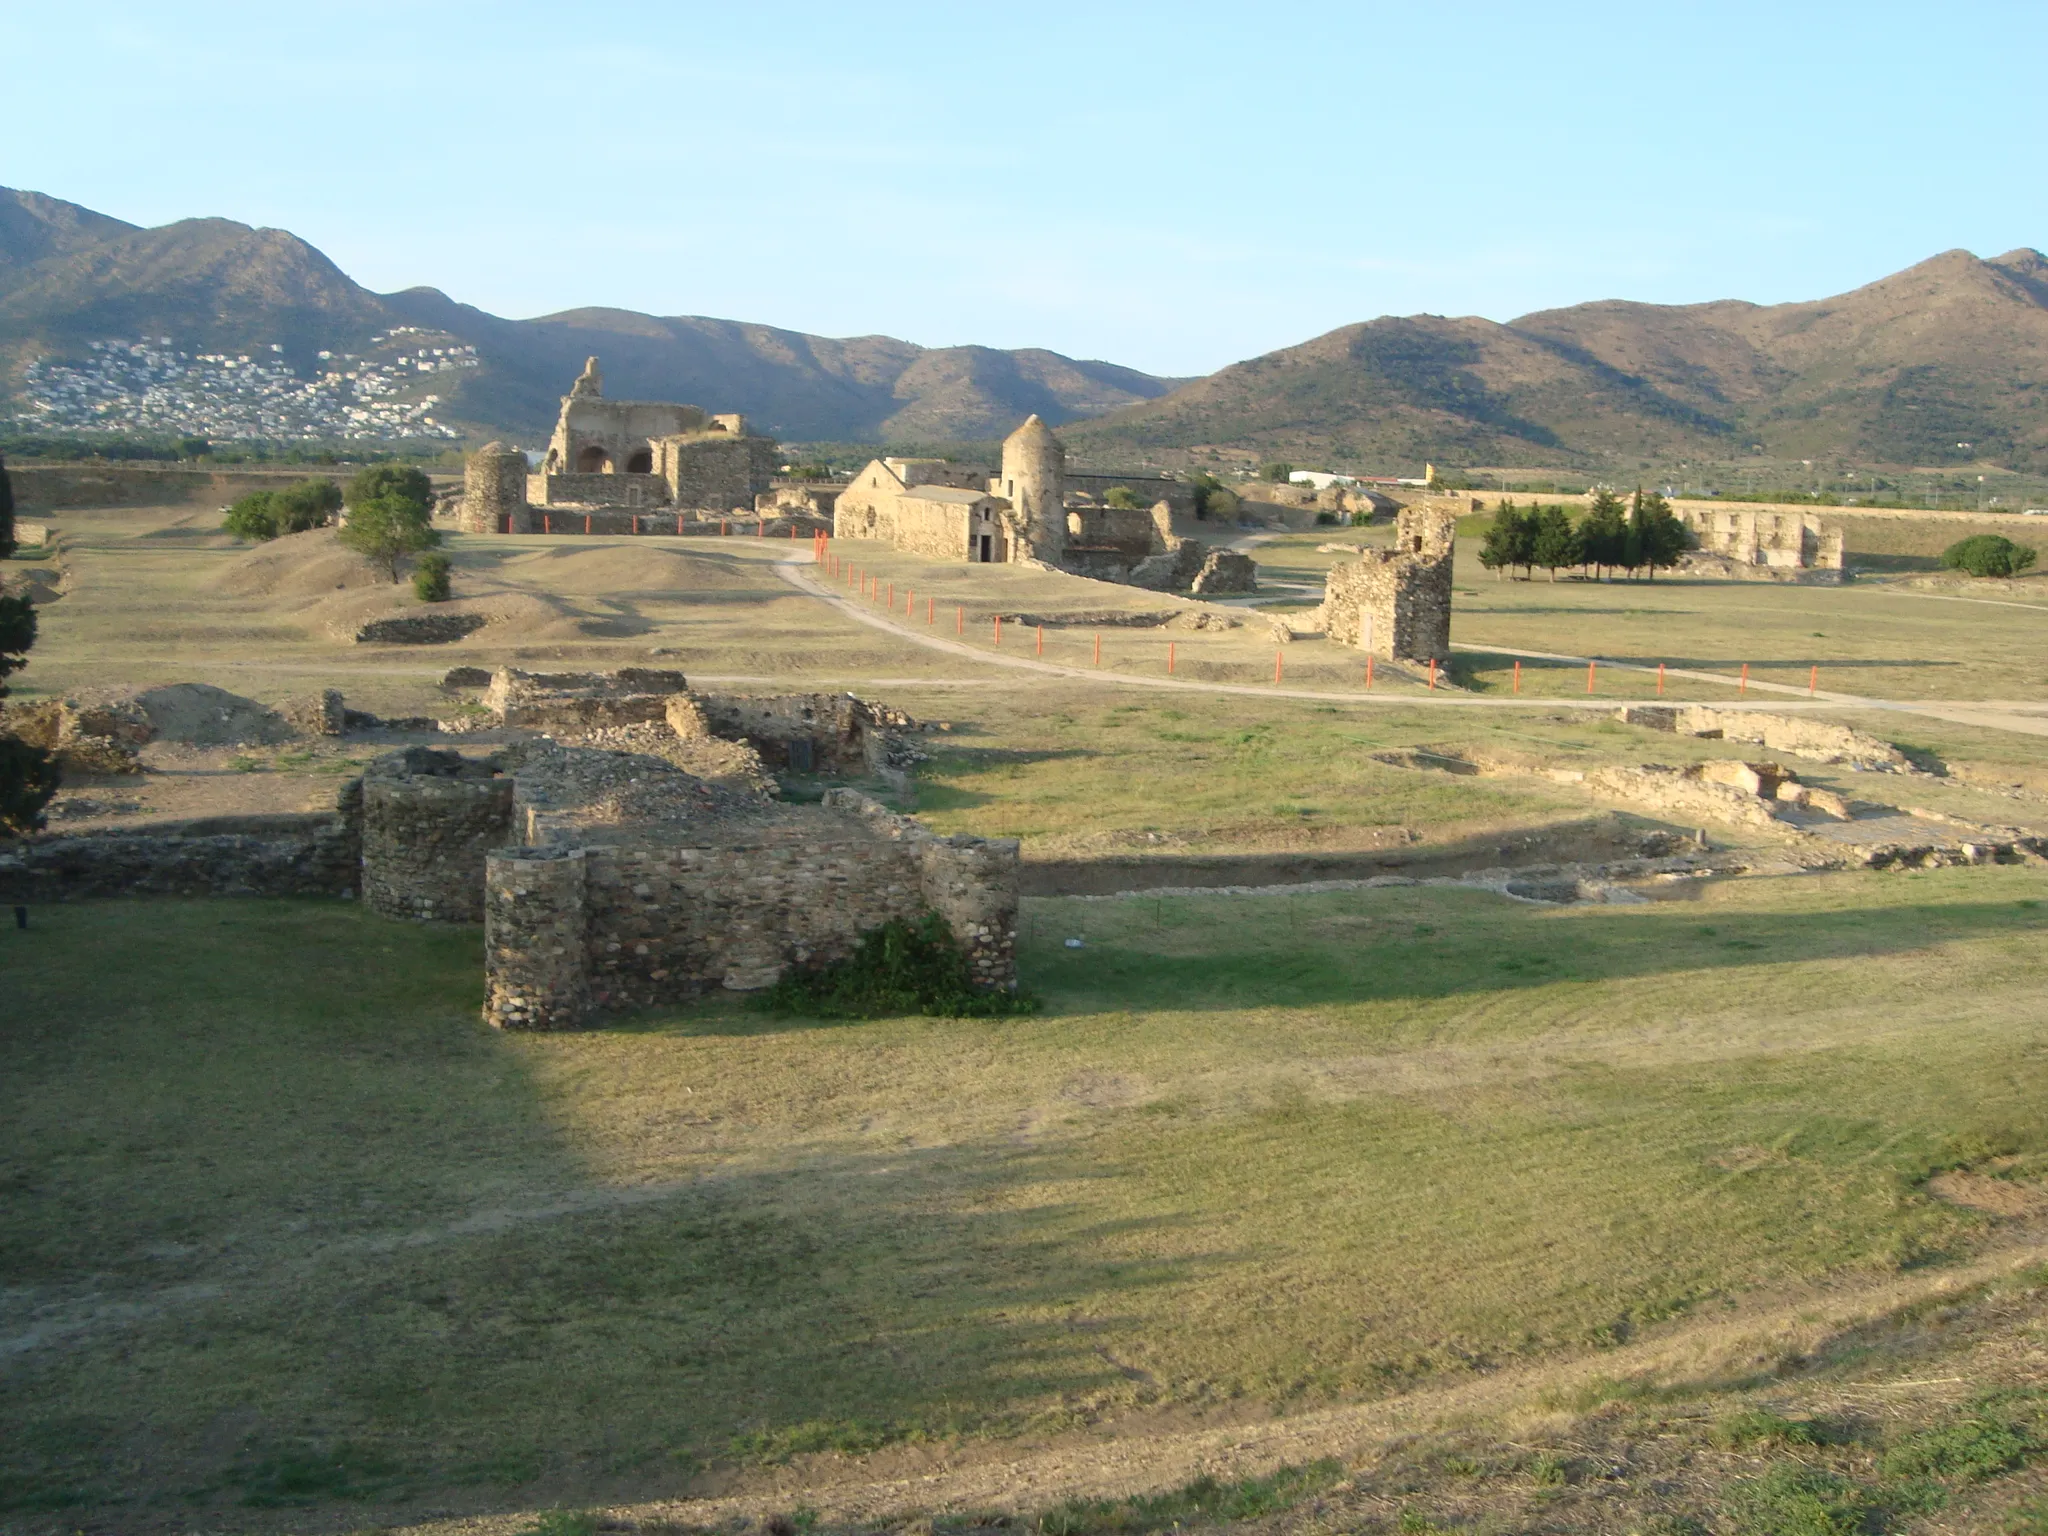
[[28, 775], [1656, 536], [1603, 536], [385, 529], [430, 579], [1278, 472], [267, 514], [1510, 539], [6, 514], [1205, 485], [401, 480], [1223, 504], [1987, 554], [1556, 541], [1124, 499]]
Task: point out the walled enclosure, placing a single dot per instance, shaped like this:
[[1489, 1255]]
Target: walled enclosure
[[429, 818], [1756, 542], [1397, 603]]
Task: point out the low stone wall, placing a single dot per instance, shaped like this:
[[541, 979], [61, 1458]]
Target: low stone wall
[[535, 966], [1225, 571], [308, 855], [421, 629], [429, 820], [1819, 741]]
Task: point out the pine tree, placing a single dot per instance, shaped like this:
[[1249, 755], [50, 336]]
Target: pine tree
[[1502, 546], [1555, 541], [1660, 538], [1604, 534]]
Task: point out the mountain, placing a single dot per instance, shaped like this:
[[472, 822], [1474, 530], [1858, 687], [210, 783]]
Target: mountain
[[1945, 362], [69, 276]]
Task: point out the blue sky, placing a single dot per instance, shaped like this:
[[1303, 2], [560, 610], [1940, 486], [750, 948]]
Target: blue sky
[[1168, 186]]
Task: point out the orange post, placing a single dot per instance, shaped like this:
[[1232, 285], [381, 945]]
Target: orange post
[[1812, 680], [586, 522], [910, 600], [892, 597], [1368, 672], [1660, 679], [959, 621], [929, 604], [1745, 679], [1041, 639], [1098, 650], [761, 528], [636, 522], [679, 525], [1277, 655], [547, 523], [999, 629], [1169, 658], [723, 530], [1432, 674], [1590, 667], [1518, 676]]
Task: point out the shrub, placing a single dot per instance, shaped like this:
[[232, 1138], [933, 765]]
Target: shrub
[[1796, 1500], [901, 967], [6, 513], [430, 579], [1327, 519], [28, 781], [1987, 554], [1223, 504], [1759, 1426], [1968, 1449], [1124, 499], [1277, 472], [267, 514], [385, 529]]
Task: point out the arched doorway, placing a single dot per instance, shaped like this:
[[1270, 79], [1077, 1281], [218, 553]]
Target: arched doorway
[[593, 461], [640, 462]]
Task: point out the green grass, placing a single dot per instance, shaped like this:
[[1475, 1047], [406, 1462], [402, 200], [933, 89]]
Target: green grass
[[277, 1176]]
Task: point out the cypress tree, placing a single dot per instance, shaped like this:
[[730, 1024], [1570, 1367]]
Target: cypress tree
[[6, 513], [1556, 541], [1604, 534]]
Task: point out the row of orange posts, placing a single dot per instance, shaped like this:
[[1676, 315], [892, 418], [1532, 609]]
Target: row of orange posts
[[547, 525], [871, 585]]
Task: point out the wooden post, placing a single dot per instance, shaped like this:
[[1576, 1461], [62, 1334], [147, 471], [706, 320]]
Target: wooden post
[[1098, 649], [679, 525], [723, 530], [1813, 680], [999, 629], [1432, 674], [1277, 655], [1041, 639], [1745, 679], [928, 606], [892, 597], [1169, 658], [909, 600], [636, 522], [1660, 679], [1368, 671], [547, 522], [1590, 666], [959, 621], [586, 522], [1518, 674]]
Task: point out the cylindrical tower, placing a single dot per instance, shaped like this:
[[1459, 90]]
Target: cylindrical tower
[[494, 491], [1035, 482], [536, 975]]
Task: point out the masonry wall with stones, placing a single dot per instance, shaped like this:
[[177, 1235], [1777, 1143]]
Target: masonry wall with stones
[[1819, 740], [429, 820], [717, 473], [1397, 603], [665, 921], [317, 854], [1778, 541], [494, 491]]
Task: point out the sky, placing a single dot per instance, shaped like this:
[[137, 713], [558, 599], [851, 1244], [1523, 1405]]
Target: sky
[[1171, 187]]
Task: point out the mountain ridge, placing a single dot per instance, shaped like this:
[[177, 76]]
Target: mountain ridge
[[69, 276]]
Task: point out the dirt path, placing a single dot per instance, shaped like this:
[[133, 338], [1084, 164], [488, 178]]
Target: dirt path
[[1996, 714]]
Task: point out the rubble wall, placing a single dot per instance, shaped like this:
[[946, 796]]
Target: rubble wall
[[426, 835], [318, 854], [536, 971]]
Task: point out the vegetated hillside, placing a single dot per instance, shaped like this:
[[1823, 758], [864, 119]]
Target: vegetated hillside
[[69, 275], [1945, 362]]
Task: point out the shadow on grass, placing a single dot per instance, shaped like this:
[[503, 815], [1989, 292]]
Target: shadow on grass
[[338, 1213], [1213, 954]]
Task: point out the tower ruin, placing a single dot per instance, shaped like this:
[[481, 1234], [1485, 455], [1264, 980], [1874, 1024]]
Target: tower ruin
[[1033, 480]]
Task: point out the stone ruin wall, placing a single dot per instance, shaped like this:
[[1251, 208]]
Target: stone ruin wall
[[663, 923], [1397, 603], [1770, 540], [494, 491], [718, 474], [429, 820], [315, 854]]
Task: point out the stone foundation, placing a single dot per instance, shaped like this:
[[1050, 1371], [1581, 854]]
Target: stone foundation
[[429, 820], [308, 855]]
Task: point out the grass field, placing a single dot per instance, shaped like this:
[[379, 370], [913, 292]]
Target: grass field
[[285, 1223]]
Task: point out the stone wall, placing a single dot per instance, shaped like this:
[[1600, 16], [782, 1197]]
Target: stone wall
[[420, 629], [536, 968], [1779, 540], [1225, 571], [307, 855], [494, 491], [581, 701], [1178, 494], [1397, 603], [429, 819], [1819, 741], [621, 490], [716, 472]]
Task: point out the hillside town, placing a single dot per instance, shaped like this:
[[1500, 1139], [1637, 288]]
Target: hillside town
[[151, 386]]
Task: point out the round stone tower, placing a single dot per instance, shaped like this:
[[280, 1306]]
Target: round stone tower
[[1034, 480], [494, 491]]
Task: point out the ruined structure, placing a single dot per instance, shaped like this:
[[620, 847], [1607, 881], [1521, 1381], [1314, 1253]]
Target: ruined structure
[[1763, 545], [1032, 509], [1397, 603], [494, 492], [647, 454]]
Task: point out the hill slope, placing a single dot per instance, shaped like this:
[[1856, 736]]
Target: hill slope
[[1945, 362], [69, 276]]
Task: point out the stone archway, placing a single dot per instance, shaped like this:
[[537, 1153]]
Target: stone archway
[[593, 461], [640, 462]]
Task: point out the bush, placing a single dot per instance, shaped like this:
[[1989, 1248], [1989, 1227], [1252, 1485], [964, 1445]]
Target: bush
[[1277, 472], [430, 579], [385, 529], [1796, 1500], [901, 967], [1124, 499], [1987, 554], [1967, 1450], [28, 781], [1223, 505], [1327, 519], [268, 514]]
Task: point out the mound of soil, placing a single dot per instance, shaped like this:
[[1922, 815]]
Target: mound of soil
[[610, 569], [299, 565], [39, 585]]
